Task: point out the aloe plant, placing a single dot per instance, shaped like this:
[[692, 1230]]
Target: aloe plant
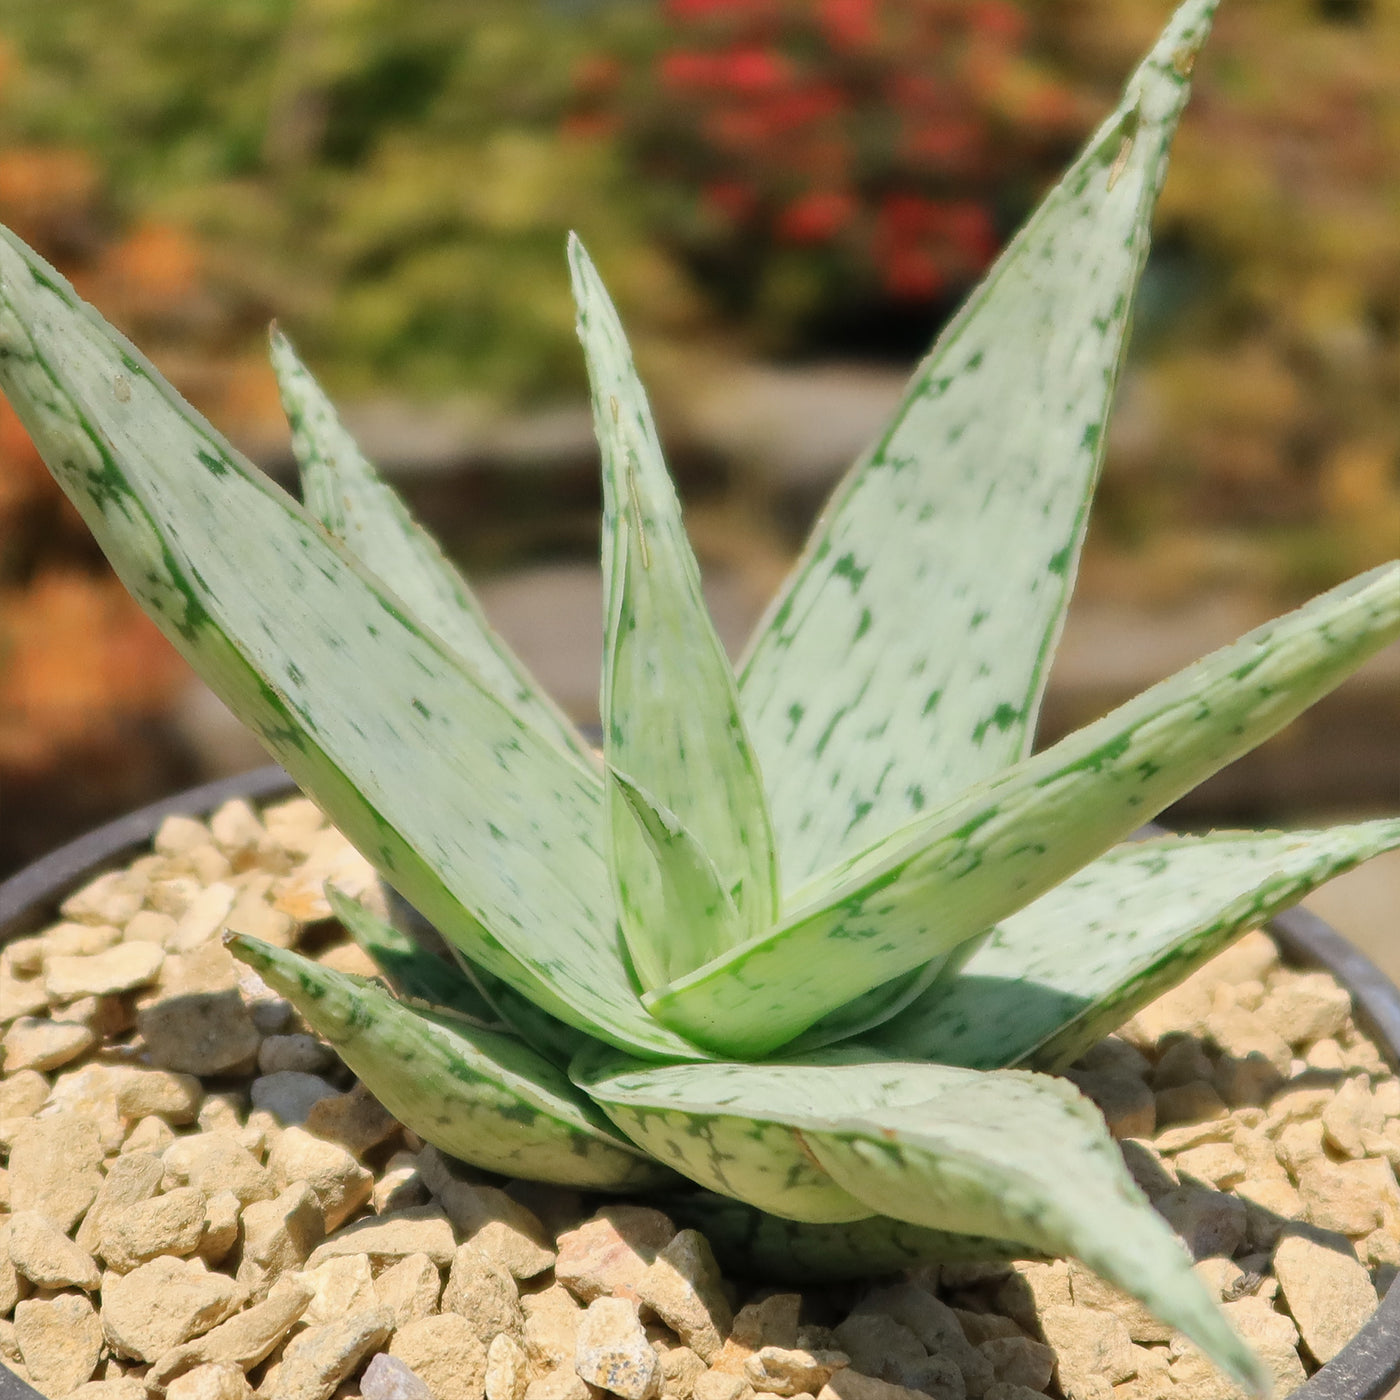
[[800, 945]]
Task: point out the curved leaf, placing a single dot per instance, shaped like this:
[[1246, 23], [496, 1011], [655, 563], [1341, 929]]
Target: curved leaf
[[342, 489], [1056, 977], [905, 658], [477, 1094], [1005, 1154], [991, 851], [485, 826], [670, 704]]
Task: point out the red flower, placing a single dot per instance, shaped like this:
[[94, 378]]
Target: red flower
[[815, 217], [910, 274], [752, 69], [849, 24], [731, 200]]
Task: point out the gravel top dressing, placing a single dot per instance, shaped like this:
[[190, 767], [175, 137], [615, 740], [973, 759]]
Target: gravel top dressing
[[201, 1202]]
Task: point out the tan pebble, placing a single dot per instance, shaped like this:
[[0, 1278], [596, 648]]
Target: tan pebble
[[151, 1135], [145, 1092], [979, 1327], [1256, 1150], [289, 1095], [1298, 1144], [253, 916], [772, 1321], [1090, 1291], [521, 1256], [446, 1353], [22, 1093], [55, 1168], [315, 1361], [119, 969], [1325, 1055], [178, 834], [203, 918], [1302, 1007], [1270, 1203], [1250, 1078], [59, 1340], [235, 828], [244, 1340], [134, 1176], [301, 1052], [470, 1206], [1184, 1061], [718, 1385], [1152, 1172], [507, 1369], [78, 940], [1088, 1344], [38, 1043], [684, 1287], [551, 1327], [1032, 1288], [1220, 1276], [173, 894], [1326, 1288], [399, 1186], [20, 996], [1020, 1360], [1188, 1103], [410, 1288], [852, 1385], [1296, 1102], [935, 1376], [222, 1113], [1183, 1008], [159, 1305], [106, 1016], [875, 1341], [194, 1020], [1124, 1100], [1337, 1198], [1215, 1164], [1349, 1113], [1380, 1248], [356, 1120], [212, 1381], [612, 1350], [90, 1092], [109, 899], [386, 1378], [147, 926], [278, 1236], [349, 957], [935, 1325], [423, 1230], [220, 1230], [680, 1369], [218, 1162], [115, 1388], [1208, 1222], [1189, 1135], [24, 957], [46, 1256], [484, 1291], [563, 1384], [1254, 957], [792, 1371], [342, 1286]]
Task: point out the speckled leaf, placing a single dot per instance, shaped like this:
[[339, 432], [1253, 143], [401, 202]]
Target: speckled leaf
[[905, 658], [670, 705], [992, 850], [411, 969], [478, 1094], [1009, 1155], [479, 822], [1055, 978], [342, 489]]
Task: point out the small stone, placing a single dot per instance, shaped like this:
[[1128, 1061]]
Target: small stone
[[215, 1381], [1269, 1205], [612, 1351], [934, 1324], [1336, 1199], [289, 1095], [979, 1327], [563, 1384], [1124, 1100], [342, 1286], [46, 1256], [680, 1369], [852, 1385], [445, 1353], [1020, 1360], [1326, 1288], [1031, 1289], [411, 1288], [1089, 1345], [715, 1385], [316, 1361], [1209, 1222], [1149, 1168], [278, 1236], [936, 1376], [122, 968], [388, 1378], [235, 828], [484, 1292], [55, 1168], [254, 917], [300, 1054], [156, 1307], [1212, 1164], [59, 1340], [522, 1256], [220, 1231], [1350, 1113], [385, 1238], [1090, 1291], [1298, 1145], [203, 918], [117, 1388], [1184, 1061], [341, 1184], [134, 1176], [173, 1097], [22, 1093], [1306, 1006], [874, 1341], [399, 1186], [683, 1286], [1325, 1055], [356, 1120], [40, 1044], [112, 898], [194, 1020], [218, 1162], [169, 1224], [1189, 1103], [150, 927], [792, 1370], [507, 1369], [551, 1328]]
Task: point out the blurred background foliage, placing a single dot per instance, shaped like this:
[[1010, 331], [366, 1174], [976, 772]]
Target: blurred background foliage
[[784, 183]]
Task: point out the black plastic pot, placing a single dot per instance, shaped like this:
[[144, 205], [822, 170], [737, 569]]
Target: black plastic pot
[[1367, 1368]]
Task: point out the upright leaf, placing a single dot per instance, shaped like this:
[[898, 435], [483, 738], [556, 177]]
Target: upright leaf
[[991, 851], [905, 658], [1056, 977], [670, 707], [346, 494], [482, 824], [1012, 1156]]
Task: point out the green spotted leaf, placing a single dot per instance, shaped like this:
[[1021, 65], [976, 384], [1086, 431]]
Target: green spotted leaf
[[342, 489], [1056, 977], [989, 852], [476, 1093], [1008, 1155], [904, 659], [670, 704], [490, 830]]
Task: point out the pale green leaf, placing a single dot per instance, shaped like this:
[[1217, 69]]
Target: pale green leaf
[[905, 658], [346, 494], [1056, 977], [475, 1093], [670, 704], [1005, 1154], [486, 827], [965, 867]]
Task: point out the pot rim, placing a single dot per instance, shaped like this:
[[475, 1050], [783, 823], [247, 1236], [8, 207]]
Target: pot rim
[[1365, 1369]]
